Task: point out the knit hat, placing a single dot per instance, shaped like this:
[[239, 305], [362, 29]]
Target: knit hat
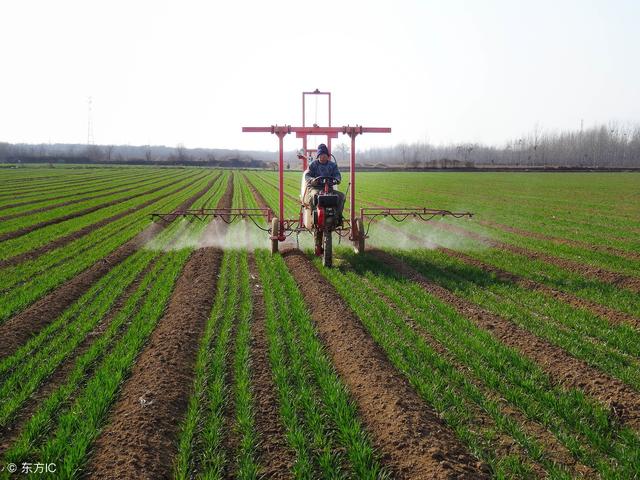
[[322, 148]]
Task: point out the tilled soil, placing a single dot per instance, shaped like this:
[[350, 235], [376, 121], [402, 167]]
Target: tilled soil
[[140, 439], [17, 330], [86, 211], [62, 241], [413, 440], [275, 457], [561, 367]]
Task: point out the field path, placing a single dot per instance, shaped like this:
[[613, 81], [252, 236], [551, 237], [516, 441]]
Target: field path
[[414, 441], [139, 440], [17, 330]]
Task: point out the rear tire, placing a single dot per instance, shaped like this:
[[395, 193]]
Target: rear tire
[[275, 232], [327, 254]]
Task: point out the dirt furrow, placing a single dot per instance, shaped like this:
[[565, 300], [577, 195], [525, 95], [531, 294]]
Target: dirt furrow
[[414, 441], [86, 211], [62, 241], [275, 457], [139, 440], [562, 241], [589, 271], [17, 330], [561, 367]]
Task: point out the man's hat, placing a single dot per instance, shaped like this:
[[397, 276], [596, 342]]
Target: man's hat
[[322, 148]]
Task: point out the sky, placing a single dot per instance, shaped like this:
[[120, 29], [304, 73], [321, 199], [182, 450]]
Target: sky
[[194, 72]]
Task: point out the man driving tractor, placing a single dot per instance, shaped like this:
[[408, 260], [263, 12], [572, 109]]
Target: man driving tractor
[[322, 167]]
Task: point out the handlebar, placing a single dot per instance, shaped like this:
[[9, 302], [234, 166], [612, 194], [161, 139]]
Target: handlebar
[[321, 181]]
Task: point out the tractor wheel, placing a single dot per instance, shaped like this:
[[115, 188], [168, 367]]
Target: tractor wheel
[[327, 253], [358, 243], [275, 232]]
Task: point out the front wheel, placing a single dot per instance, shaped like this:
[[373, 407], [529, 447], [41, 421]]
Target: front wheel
[[327, 247]]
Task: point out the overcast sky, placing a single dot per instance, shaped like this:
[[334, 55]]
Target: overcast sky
[[192, 72]]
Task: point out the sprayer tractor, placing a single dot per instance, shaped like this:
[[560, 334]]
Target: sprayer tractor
[[321, 217]]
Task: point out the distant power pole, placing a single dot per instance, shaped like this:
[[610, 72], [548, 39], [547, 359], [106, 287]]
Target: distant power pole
[[89, 122]]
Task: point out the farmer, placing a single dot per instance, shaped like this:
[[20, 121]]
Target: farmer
[[322, 167]]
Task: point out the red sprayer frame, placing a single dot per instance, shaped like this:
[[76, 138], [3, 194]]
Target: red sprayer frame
[[331, 132], [307, 151]]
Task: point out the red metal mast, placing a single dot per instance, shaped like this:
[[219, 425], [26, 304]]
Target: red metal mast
[[331, 132]]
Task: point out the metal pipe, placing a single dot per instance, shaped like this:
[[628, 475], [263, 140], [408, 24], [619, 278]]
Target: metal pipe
[[281, 185], [352, 179]]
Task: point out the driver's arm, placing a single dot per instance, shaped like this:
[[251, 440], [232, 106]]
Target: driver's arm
[[310, 174], [336, 172]]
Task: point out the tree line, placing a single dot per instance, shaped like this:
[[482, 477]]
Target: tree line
[[597, 147]]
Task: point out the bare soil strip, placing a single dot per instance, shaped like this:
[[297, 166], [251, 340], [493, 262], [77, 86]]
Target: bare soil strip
[[86, 211], [563, 241], [561, 367], [414, 441], [607, 276], [17, 330], [59, 376], [275, 457], [140, 438], [62, 241]]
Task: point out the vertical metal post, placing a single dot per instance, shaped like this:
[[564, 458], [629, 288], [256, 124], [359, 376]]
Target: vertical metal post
[[303, 94], [352, 179], [329, 136], [304, 149], [281, 135]]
